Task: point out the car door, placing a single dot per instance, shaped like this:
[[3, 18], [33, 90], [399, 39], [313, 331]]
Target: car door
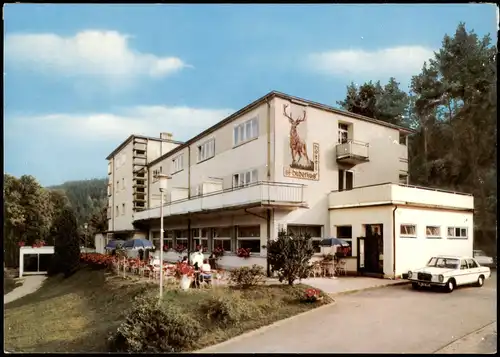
[[474, 271], [463, 273]]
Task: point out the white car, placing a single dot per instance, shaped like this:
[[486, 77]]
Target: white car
[[482, 258], [449, 272]]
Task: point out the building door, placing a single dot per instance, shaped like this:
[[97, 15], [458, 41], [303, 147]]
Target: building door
[[372, 262]]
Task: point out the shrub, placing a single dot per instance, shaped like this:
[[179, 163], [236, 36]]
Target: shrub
[[66, 248], [218, 252], [245, 277], [183, 269], [228, 309], [151, 327], [289, 256]]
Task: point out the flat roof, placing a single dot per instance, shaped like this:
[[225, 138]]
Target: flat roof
[[127, 140], [267, 97]]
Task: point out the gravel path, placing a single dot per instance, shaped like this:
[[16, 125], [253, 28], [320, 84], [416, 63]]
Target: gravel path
[[31, 284]]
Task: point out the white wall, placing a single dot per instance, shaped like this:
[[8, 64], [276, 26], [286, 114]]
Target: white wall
[[357, 217], [412, 253], [322, 127]]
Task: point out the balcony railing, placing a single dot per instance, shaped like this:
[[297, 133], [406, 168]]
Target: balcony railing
[[353, 152], [269, 193]]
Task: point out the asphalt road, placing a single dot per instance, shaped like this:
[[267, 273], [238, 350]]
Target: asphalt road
[[395, 319]]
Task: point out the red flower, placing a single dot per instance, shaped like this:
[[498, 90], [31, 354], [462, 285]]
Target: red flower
[[218, 251], [21, 244], [183, 269], [180, 248], [243, 252]]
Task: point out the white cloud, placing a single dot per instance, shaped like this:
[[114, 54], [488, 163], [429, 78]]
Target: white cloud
[[400, 62], [183, 122], [102, 55]]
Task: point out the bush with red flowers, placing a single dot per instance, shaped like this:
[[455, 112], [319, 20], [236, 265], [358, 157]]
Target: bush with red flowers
[[312, 295], [180, 248], [183, 269], [218, 252], [21, 244], [96, 260], [38, 243], [198, 247], [243, 252]]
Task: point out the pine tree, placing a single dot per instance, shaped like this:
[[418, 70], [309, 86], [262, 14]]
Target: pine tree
[[67, 249]]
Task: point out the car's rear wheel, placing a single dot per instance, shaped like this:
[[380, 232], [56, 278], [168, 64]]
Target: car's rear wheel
[[414, 286], [480, 281], [450, 286]]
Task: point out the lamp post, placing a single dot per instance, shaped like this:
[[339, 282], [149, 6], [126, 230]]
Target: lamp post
[[162, 178], [85, 226]]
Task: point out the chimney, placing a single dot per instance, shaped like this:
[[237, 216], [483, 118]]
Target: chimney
[[167, 136]]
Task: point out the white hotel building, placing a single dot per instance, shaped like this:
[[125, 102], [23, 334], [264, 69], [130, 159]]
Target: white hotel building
[[288, 163]]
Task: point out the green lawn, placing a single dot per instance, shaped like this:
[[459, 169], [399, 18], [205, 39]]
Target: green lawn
[[78, 313]]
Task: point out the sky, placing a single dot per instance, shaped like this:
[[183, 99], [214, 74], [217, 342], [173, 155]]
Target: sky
[[79, 79]]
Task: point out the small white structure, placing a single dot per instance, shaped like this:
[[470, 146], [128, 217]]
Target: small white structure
[[33, 251], [100, 242], [395, 228]]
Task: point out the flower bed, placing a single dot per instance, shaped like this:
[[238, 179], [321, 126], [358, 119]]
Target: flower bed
[[97, 260], [312, 295]]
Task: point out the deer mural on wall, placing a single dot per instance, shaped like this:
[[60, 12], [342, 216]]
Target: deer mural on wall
[[298, 147]]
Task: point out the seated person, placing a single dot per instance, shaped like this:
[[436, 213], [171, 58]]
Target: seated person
[[185, 259], [206, 270]]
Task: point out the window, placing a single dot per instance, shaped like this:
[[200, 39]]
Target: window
[[116, 211], [345, 233], [178, 163], [123, 183], [433, 232], [408, 231], [457, 233], [200, 237], [346, 180], [123, 209], [463, 264], [249, 237], [206, 150], [167, 240], [181, 237], [403, 179], [313, 231], [117, 185], [245, 178], [472, 263], [402, 138], [246, 131], [343, 133], [221, 237]]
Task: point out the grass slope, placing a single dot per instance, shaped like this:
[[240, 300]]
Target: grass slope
[[78, 313]]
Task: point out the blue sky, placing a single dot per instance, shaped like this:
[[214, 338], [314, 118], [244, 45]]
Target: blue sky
[[80, 78]]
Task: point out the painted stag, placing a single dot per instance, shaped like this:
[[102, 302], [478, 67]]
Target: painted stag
[[298, 147]]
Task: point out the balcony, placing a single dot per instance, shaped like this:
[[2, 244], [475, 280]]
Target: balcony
[[140, 161], [275, 194], [352, 152], [140, 146], [398, 194]]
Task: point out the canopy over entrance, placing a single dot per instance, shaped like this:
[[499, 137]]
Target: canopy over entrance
[[34, 260]]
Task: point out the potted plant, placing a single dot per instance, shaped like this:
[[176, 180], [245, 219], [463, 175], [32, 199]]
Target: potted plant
[[21, 244], [243, 253], [180, 248]]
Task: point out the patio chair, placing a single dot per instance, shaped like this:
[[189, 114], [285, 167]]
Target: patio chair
[[340, 267], [316, 270]]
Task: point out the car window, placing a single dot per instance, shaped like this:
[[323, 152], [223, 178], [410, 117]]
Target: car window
[[472, 263], [463, 264]]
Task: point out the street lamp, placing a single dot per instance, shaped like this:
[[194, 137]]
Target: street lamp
[[85, 226], [162, 178]]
